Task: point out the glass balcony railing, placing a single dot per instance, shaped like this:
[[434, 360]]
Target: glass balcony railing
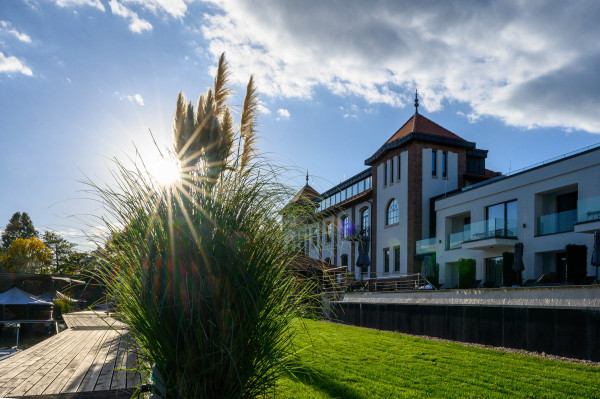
[[557, 222], [425, 246], [588, 209], [455, 240], [491, 228]]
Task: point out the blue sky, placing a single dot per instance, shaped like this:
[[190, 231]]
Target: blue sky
[[82, 80]]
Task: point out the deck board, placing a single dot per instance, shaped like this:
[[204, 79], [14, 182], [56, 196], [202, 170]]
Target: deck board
[[92, 355]]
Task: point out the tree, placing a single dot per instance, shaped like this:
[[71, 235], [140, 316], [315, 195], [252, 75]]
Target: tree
[[27, 255], [19, 226], [61, 250]]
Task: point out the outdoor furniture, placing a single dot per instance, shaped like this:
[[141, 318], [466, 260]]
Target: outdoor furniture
[[593, 215]]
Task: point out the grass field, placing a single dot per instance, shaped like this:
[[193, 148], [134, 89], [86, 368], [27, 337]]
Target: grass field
[[350, 362]]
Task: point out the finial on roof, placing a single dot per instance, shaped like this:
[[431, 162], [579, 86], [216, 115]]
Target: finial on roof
[[307, 177], [416, 102]]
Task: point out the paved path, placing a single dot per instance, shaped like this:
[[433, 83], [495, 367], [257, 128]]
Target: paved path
[[89, 356]]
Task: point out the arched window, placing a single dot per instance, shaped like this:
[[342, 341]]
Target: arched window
[[345, 226], [391, 214], [364, 220]]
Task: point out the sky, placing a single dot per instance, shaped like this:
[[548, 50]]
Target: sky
[[84, 81]]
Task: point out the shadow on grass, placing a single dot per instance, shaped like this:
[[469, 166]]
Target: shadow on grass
[[323, 382]]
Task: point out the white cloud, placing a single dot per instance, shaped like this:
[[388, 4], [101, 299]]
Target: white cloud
[[283, 114], [78, 3], [6, 26], [132, 98], [494, 56], [136, 98], [175, 8], [12, 64], [263, 110], [136, 24]]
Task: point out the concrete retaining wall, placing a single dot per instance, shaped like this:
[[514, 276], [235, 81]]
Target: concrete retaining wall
[[473, 316]]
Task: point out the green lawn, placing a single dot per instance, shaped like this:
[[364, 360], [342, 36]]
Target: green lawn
[[350, 362]]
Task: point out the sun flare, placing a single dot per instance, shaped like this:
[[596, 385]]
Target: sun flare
[[165, 171]]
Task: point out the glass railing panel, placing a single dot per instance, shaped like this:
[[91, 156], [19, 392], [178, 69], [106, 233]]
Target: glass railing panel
[[557, 222], [588, 209], [425, 246], [455, 240], [491, 228]]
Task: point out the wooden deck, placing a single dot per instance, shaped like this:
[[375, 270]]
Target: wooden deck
[[91, 321], [90, 356]]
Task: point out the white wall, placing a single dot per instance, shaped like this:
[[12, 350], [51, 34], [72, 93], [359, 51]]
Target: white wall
[[390, 236], [582, 171], [436, 185]]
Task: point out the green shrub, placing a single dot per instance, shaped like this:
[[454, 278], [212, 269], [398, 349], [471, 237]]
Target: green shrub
[[576, 263], [61, 306], [466, 273]]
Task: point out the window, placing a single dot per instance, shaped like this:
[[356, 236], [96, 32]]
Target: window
[[391, 214], [346, 227], [398, 168], [444, 164], [385, 174], [433, 163], [502, 219], [386, 260], [315, 237], [364, 220], [328, 232], [397, 258], [392, 170], [344, 259]]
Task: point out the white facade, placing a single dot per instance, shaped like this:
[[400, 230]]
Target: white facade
[[538, 224]]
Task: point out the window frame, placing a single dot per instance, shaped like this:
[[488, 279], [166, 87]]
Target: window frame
[[388, 221], [385, 170], [397, 258], [444, 164], [386, 260]]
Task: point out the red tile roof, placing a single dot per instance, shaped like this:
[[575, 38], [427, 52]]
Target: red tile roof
[[420, 124]]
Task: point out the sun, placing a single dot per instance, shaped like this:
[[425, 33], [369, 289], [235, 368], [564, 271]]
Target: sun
[[164, 170]]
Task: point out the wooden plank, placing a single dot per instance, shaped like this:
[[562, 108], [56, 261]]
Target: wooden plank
[[106, 374], [20, 385], [119, 380], [73, 366], [44, 383], [78, 376], [16, 360], [91, 377], [132, 364], [33, 363]]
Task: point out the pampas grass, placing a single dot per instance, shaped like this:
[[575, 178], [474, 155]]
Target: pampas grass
[[198, 270]]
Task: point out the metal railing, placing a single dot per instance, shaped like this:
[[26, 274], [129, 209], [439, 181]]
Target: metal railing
[[396, 282]]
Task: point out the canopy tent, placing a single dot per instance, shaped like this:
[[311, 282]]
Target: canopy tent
[[18, 305]]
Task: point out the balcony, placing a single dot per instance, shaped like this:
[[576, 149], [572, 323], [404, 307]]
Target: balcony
[[498, 234], [426, 246], [588, 215], [455, 240], [560, 222]]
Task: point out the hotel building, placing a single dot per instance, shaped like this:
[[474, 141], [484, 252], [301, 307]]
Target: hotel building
[[427, 191]]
